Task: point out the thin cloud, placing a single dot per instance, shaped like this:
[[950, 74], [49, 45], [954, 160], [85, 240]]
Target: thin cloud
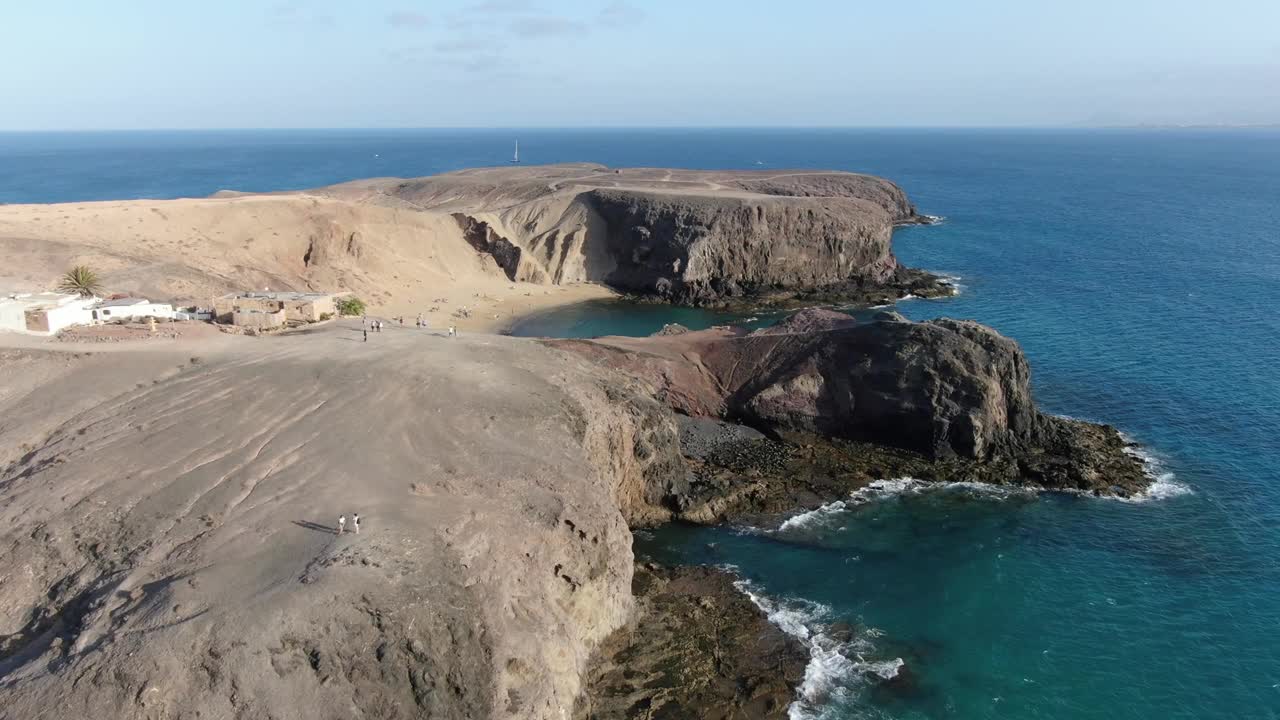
[[498, 7], [489, 66], [408, 19], [466, 45], [297, 15], [536, 26], [416, 53], [619, 13]]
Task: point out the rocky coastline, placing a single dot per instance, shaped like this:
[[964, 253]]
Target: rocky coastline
[[819, 407], [902, 283], [697, 647], [943, 399]]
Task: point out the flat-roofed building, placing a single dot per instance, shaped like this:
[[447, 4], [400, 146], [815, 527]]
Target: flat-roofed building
[[44, 313], [297, 306], [130, 307]]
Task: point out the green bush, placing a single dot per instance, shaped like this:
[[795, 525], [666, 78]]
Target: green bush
[[350, 306], [326, 316]]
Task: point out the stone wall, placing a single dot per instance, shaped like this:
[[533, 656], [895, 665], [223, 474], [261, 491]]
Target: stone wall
[[258, 319]]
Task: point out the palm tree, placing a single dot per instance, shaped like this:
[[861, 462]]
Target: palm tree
[[81, 280]]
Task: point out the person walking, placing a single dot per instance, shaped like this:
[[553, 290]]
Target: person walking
[[355, 523], [342, 524]]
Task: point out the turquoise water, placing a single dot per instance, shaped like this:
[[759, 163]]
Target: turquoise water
[[1140, 270], [1141, 273]]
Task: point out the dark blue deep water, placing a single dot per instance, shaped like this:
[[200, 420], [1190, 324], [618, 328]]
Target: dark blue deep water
[[1140, 270]]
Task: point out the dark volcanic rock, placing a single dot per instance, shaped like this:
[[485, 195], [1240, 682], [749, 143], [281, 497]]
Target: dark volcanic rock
[[947, 391], [698, 648], [700, 437]]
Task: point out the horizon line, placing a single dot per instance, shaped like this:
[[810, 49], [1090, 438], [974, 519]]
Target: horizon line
[[536, 128]]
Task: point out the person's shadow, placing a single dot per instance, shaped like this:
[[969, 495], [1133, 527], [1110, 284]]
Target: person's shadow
[[316, 526]]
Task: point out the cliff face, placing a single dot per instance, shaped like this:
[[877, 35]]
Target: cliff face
[[694, 249], [689, 237]]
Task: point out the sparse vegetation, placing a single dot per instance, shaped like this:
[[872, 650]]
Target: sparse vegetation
[[350, 306], [326, 316], [81, 280]]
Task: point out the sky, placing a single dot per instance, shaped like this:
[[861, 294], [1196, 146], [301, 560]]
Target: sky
[[135, 64]]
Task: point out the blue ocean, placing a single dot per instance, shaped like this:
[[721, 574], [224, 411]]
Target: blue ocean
[[1140, 271]]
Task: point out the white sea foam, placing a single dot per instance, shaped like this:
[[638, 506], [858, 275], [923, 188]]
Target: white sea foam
[[1164, 484], [817, 519], [882, 489], [835, 669], [884, 669], [952, 281], [879, 489], [792, 616], [807, 520]]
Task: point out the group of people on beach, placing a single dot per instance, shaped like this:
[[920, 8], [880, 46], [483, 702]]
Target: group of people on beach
[[367, 324], [422, 323], [377, 325]]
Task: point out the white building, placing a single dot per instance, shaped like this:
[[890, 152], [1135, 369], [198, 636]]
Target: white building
[[192, 314], [44, 313], [130, 307]]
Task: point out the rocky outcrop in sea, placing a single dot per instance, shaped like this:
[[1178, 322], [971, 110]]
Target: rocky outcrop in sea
[[843, 403]]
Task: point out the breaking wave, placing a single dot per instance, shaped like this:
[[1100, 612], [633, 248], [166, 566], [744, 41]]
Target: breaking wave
[[883, 489], [837, 670], [1164, 486]]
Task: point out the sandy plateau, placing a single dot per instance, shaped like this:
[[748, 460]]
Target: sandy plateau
[[170, 511]]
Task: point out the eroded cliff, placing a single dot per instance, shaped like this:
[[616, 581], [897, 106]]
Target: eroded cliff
[[690, 237]]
